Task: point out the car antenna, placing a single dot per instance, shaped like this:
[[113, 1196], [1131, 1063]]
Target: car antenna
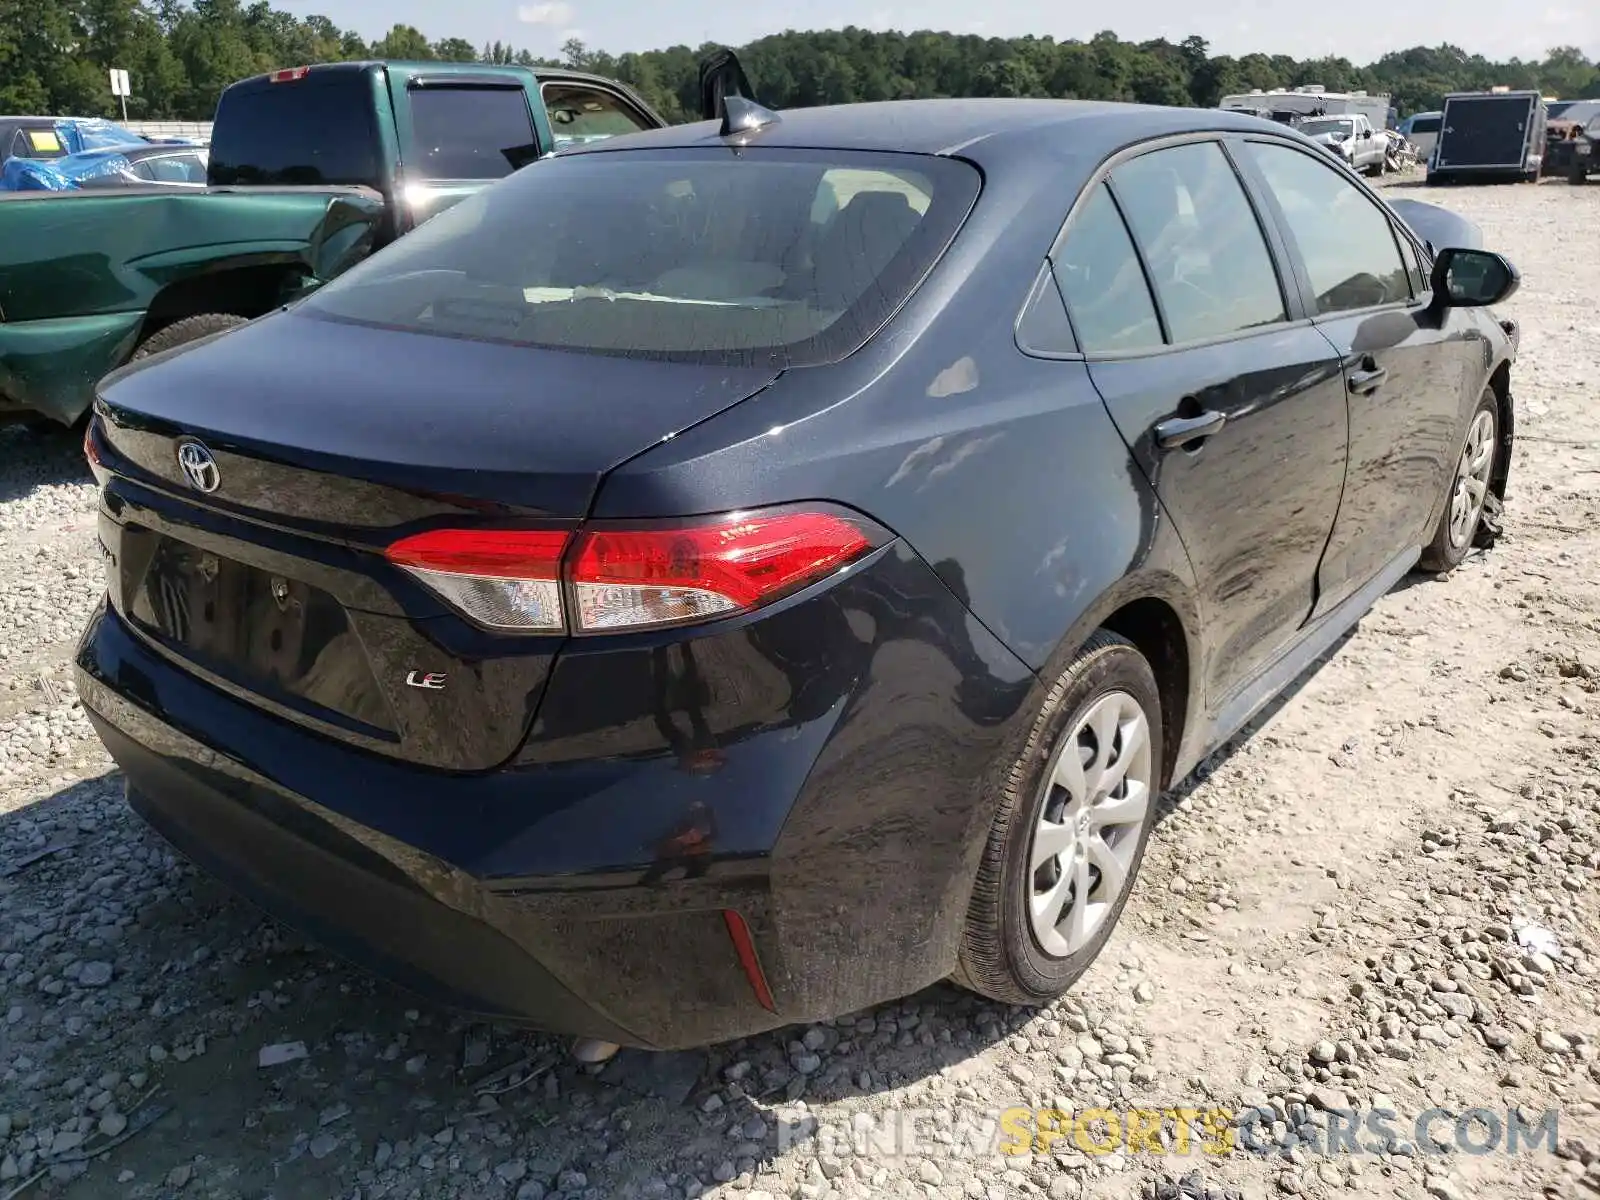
[[742, 115], [725, 96]]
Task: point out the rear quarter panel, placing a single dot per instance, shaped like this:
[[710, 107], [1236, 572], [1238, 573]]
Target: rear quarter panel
[[1003, 471]]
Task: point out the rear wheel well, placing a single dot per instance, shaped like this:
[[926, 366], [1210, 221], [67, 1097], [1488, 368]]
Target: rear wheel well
[[1153, 627], [246, 292]]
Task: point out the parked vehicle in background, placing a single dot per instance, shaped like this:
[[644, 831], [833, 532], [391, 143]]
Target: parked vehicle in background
[[141, 165], [1489, 136], [1312, 100], [1399, 155], [1422, 131], [1565, 121], [1350, 138], [310, 169], [1585, 153], [30, 137], [56, 137], [748, 575]]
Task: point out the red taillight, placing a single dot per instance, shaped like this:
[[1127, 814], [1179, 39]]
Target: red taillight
[[502, 578], [622, 578], [629, 579], [90, 454], [289, 74]]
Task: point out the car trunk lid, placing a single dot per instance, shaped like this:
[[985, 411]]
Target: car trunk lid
[[328, 442]]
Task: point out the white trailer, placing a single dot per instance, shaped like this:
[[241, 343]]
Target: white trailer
[[1312, 100]]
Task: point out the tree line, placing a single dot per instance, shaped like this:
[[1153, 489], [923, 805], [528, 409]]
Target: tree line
[[54, 55]]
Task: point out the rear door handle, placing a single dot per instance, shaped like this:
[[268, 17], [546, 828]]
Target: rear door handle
[[1364, 383], [1180, 431]]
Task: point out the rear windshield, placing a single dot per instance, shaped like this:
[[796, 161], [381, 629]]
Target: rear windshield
[[770, 257], [1425, 125], [306, 132], [465, 132]]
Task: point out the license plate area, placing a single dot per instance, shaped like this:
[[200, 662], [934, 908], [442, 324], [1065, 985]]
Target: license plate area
[[270, 633]]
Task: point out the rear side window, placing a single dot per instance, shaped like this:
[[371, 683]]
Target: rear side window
[[306, 132], [586, 114], [770, 257], [172, 168], [37, 143], [1102, 282], [465, 132], [1207, 257], [1425, 125], [1346, 240]]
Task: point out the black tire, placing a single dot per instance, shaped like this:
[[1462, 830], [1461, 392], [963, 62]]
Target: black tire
[[1443, 553], [1579, 175], [1000, 956], [187, 330]]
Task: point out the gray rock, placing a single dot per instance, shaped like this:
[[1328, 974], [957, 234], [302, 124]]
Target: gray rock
[[95, 974], [1324, 1052], [511, 1170], [323, 1145]]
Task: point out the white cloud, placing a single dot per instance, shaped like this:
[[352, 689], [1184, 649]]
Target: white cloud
[[553, 12]]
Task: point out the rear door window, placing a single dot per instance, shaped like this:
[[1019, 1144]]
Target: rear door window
[[588, 114], [465, 132], [172, 168], [1101, 280], [315, 131], [1207, 257]]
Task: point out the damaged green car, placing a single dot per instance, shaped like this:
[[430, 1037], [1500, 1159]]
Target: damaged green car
[[310, 170], [91, 279]]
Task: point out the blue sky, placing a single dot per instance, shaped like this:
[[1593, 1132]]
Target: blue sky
[[1359, 29]]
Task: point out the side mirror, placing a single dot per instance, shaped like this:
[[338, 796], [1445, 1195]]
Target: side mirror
[[721, 75], [1472, 278]]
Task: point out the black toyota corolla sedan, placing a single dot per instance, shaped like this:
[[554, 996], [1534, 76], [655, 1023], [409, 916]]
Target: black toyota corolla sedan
[[741, 573]]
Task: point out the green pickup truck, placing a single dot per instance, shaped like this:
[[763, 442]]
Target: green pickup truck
[[311, 169]]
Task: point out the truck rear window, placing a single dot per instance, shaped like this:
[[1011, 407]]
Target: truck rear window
[[464, 132], [765, 257], [305, 132]]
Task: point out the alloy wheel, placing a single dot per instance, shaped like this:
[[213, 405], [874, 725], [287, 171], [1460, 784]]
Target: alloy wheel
[[1472, 478], [1096, 796]]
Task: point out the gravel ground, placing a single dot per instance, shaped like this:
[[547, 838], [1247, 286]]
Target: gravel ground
[[1383, 898]]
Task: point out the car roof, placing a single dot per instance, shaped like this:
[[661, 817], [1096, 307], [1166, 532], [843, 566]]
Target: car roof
[[437, 67], [975, 128], [135, 150]]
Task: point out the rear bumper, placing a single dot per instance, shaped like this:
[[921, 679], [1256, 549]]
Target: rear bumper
[[563, 894]]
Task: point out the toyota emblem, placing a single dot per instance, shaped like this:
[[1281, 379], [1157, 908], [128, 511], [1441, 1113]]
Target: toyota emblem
[[199, 467]]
